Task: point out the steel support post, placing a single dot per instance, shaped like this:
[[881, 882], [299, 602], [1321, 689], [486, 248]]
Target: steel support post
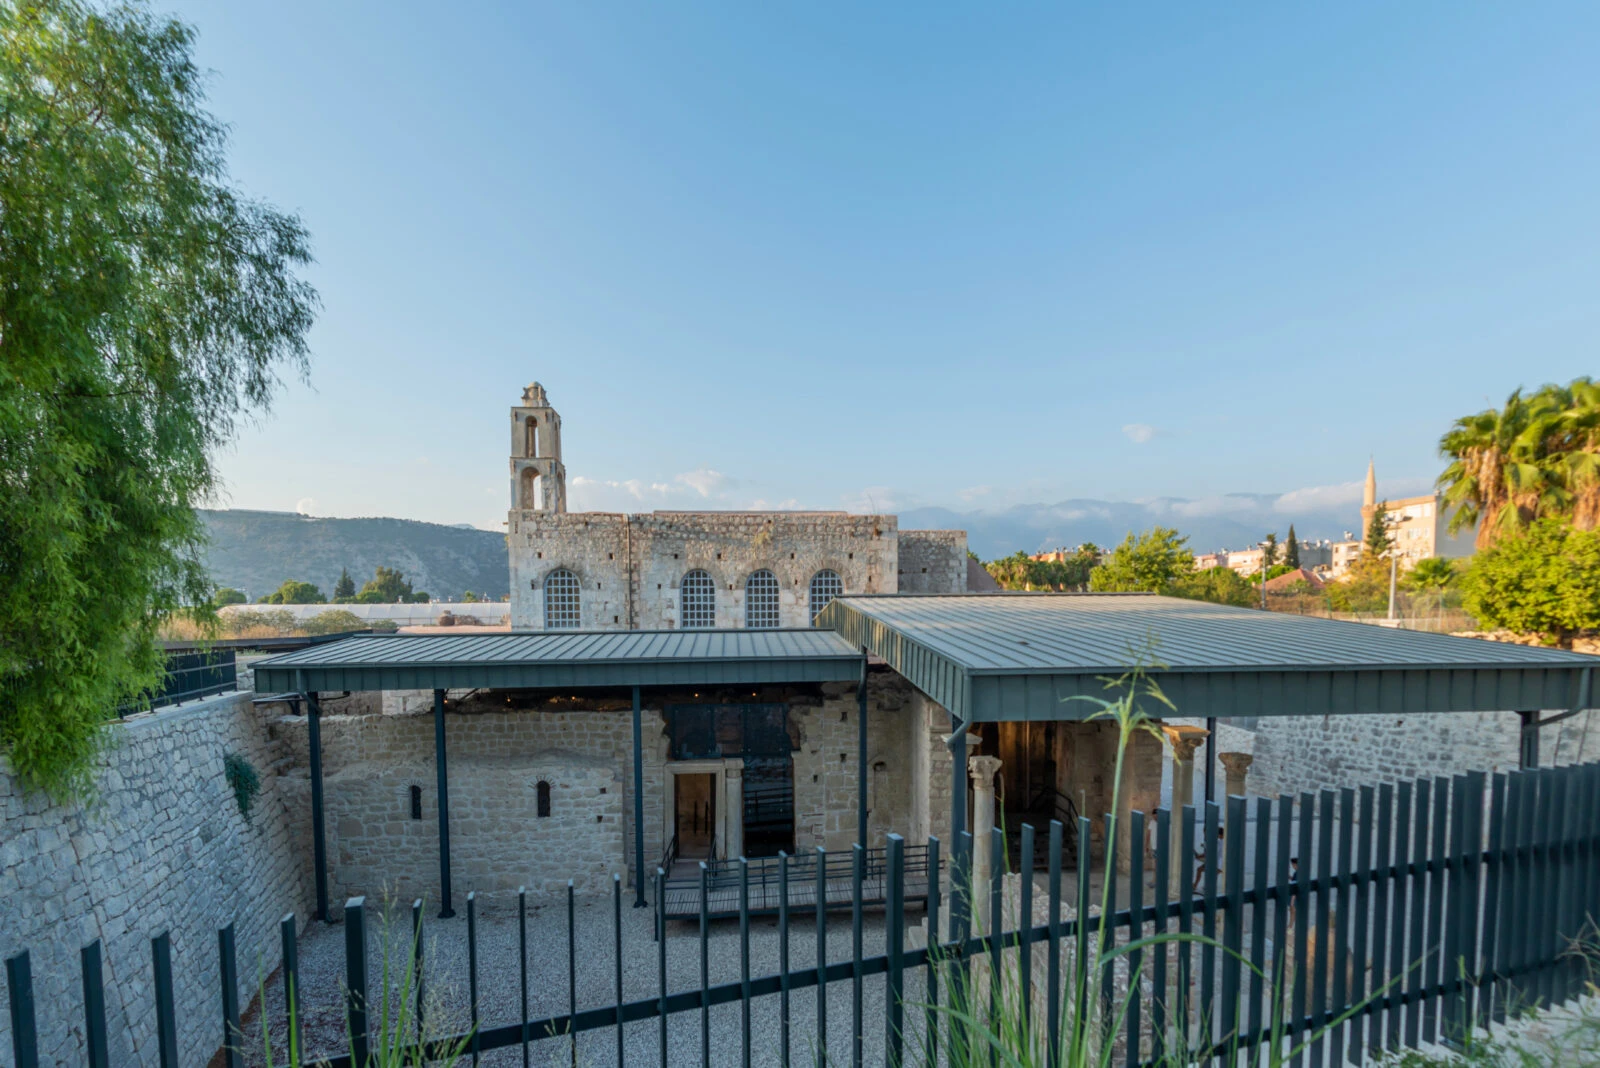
[[441, 769], [861, 754], [319, 831], [638, 803], [1211, 758], [1529, 750]]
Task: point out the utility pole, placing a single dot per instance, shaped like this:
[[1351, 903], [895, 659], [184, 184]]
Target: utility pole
[[1394, 565], [1265, 564]]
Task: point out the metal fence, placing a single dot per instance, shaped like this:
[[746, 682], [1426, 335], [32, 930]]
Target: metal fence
[[1365, 920]]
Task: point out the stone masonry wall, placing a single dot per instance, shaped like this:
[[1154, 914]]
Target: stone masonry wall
[[162, 848], [500, 746], [663, 546], [1297, 753], [498, 756], [933, 561]]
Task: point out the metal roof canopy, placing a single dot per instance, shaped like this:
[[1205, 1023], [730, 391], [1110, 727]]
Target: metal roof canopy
[[988, 657], [564, 659]]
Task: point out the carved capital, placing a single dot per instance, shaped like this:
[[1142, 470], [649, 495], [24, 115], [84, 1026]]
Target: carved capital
[[983, 770], [1236, 763]]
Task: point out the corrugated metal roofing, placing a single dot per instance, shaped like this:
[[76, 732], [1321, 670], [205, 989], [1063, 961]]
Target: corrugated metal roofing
[[1025, 656], [569, 658]]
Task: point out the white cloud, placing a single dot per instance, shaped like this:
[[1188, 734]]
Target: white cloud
[[705, 481], [874, 500], [973, 493], [1224, 504], [1139, 433], [305, 505]]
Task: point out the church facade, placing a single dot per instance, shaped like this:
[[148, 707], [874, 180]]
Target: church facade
[[670, 570]]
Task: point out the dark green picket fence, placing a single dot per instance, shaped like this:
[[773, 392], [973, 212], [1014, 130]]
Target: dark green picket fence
[[1446, 903]]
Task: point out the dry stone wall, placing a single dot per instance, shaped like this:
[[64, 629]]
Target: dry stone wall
[[162, 848]]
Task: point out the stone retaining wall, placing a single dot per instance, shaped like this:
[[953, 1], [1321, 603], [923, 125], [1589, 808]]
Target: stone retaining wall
[[162, 848]]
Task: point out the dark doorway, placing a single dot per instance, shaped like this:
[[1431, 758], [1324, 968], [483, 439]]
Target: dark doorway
[[695, 814], [760, 734]]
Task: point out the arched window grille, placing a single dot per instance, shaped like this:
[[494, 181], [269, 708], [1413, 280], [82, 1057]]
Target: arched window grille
[[561, 600], [543, 790], [761, 600], [697, 601], [825, 586]]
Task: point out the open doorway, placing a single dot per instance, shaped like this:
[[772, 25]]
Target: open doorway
[[695, 815]]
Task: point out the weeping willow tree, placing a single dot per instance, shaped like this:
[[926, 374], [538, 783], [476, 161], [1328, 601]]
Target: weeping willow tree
[[146, 307]]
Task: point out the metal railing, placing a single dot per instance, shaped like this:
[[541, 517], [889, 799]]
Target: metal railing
[[1397, 916]]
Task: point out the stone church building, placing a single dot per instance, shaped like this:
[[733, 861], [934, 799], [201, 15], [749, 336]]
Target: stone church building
[[694, 570]]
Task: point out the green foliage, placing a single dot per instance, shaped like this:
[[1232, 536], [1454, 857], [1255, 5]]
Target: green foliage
[[1364, 588], [1273, 572], [387, 586], [1269, 550], [226, 595], [469, 598], [1148, 562], [1219, 585], [345, 588], [333, 621], [295, 592], [1378, 540], [1535, 457], [1543, 580], [1020, 572], [146, 306], [242, 780], [1291, 550]]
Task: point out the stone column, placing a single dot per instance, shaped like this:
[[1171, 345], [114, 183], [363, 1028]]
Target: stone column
[[1184, 741], [733, 776], [1236, 765], [983, 770]]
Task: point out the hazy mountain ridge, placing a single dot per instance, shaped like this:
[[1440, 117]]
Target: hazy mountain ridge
[[1235, 522], [258, 551]]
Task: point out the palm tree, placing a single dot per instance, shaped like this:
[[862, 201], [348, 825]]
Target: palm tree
[[1432, 578], [1498, 476], [1578, 450]]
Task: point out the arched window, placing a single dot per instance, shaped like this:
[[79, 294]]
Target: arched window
[[697, 601], [543, 790], [561, 600], [532, 493], [761, 600], [825, 586]]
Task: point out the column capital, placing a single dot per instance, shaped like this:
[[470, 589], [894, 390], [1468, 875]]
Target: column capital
[[1184, 740], [1236, 762], [983, 768]]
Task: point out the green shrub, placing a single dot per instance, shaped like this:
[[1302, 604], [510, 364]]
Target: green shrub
[[243, 780], [333, 621]]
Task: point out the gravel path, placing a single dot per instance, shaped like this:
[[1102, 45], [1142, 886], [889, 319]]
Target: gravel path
[[322, 971]]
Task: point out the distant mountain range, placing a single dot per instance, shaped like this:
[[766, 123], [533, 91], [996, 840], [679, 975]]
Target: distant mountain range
[[1236, 521], [258, 551]]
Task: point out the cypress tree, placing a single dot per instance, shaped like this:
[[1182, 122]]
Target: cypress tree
[[1291, 549]]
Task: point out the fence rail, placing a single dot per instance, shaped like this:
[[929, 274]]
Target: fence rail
[[1363, 920]]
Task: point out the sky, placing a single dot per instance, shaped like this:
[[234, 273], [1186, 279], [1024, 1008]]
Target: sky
[[888, 256]]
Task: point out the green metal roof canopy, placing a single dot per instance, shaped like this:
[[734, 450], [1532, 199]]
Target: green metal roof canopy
[[564, 659], [1025, 656]]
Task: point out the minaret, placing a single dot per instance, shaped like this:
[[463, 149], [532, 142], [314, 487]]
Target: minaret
[[538, 479], [1369, 496]]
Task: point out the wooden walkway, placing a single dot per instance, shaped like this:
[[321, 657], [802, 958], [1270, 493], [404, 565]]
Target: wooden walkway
[[680, 899]]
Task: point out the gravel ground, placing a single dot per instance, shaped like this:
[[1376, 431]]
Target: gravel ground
[[322, 971]]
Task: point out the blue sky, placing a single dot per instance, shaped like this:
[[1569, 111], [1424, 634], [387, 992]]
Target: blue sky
[[895, 255]]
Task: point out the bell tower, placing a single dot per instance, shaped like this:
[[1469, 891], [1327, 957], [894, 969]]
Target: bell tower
[[538, 479]]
